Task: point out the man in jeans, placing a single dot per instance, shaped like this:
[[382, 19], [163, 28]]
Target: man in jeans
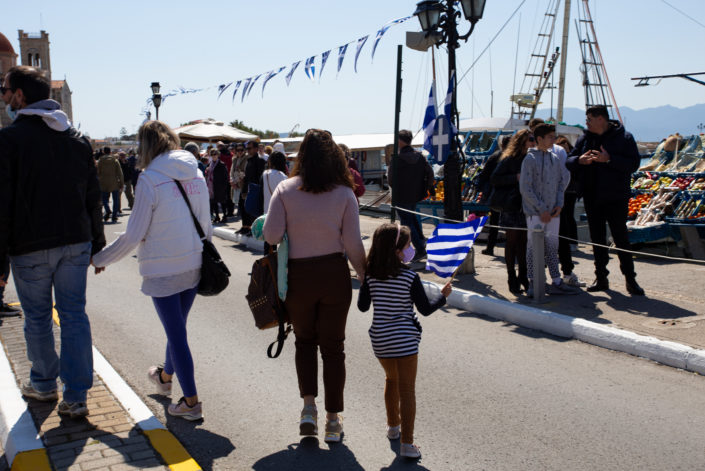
[[44, 160], [415, 179]]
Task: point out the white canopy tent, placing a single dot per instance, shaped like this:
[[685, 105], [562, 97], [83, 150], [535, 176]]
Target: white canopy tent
[[211, 130]]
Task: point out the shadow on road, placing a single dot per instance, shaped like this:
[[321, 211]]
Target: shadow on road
[[307, 455]]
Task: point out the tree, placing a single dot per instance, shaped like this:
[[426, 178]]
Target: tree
[[266, 134]]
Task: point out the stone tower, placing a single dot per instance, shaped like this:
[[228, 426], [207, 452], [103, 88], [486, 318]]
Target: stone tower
[[34, 51]]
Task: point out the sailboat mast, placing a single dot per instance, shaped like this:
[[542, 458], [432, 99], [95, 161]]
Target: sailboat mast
[[564, 59]]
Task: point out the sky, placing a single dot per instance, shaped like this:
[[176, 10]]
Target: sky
[[110, 52]]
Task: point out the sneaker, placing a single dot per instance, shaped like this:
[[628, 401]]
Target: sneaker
[[29, 391], [7, 310], [334, 430], [489, 252], [409, 450], [563, 288], [73, 410], [573, 280], [393, 433], [308, 425], [154, 373], [181, 409]]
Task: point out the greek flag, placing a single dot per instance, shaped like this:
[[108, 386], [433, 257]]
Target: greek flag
[[448, 107], [450, 244], [429, 120]]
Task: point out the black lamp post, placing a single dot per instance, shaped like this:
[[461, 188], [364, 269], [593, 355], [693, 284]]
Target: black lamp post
[[439, 18], [156, 98]]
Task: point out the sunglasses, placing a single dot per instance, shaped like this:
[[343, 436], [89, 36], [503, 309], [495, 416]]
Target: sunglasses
[[4, 90], [532, 139]]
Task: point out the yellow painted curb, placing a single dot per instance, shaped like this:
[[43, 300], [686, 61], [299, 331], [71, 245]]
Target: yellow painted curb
[[171, 450], [33, 460]]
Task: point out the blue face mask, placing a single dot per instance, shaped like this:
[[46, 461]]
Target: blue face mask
[[11, 112], [408, 254]]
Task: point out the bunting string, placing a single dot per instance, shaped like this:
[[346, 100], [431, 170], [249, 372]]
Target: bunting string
[[309, 69]]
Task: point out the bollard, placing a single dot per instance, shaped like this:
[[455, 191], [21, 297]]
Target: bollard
[[539, 274]]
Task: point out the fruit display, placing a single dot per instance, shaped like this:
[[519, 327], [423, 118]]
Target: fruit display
[[652, 182], [681, 183], [690, 208], [660, 205], [697, 184], [637, 203]]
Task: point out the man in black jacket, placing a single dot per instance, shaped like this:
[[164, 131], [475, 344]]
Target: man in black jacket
[[415, 177], [253, 173], [603, 160], [50, 225]]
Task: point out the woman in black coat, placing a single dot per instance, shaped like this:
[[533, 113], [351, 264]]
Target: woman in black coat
[[505, 182]]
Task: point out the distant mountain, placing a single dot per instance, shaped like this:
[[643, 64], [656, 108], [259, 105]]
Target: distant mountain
[[649, 124]]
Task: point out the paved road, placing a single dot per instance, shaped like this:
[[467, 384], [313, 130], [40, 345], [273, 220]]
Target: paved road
[[490, 395]]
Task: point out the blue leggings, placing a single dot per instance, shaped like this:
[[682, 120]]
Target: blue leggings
[[173, 311]]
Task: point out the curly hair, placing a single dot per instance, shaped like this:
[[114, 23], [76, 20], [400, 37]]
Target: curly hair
[[382, 260], [517, 145], [321, 163]]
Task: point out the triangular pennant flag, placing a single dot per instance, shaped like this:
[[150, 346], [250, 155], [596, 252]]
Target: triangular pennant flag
[[244, 89], [324, 59], [269, 76], [237, 86], [383, 30], [341, 56], [360, 42], [222, 88], [291, 72], [252, 84], [310, 68]]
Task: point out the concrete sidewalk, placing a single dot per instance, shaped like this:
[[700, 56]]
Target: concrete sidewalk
[[672, 310], [108, 439]]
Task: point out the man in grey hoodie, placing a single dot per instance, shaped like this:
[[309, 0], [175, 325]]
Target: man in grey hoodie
[[542, 183], [50, 220]]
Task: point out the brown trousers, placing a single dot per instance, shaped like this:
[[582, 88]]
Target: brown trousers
[[317, 301], [400, 394]]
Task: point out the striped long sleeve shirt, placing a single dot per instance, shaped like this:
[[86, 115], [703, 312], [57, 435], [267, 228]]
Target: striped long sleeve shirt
[[395, 330]]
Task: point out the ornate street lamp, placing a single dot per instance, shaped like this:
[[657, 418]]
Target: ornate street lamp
[[439, 18], [156, 97]]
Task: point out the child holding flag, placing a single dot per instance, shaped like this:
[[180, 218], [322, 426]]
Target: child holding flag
[[393, 289]]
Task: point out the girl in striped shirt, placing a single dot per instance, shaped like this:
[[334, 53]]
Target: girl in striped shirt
[[393, 289]]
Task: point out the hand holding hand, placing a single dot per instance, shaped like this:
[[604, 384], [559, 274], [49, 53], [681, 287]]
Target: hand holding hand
[[97, 269], [586, 158], [601, 156], [446, 290]]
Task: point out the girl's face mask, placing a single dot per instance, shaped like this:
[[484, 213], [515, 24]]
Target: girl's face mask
[[407, 255]]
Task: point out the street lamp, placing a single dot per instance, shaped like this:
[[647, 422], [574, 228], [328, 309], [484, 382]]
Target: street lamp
[[439, 19], [700, 127], [156, 97]]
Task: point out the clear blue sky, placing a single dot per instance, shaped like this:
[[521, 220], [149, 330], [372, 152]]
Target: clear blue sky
[[111, 51]]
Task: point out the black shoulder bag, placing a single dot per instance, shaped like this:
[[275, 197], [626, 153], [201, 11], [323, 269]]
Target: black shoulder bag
[[214, 274]]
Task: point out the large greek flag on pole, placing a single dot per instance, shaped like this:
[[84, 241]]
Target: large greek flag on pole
[[429, 120], [450, 244]]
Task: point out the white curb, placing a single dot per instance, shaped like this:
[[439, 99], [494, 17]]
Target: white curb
[[661, 351], [17, 430], [124, 394], [230, 235]]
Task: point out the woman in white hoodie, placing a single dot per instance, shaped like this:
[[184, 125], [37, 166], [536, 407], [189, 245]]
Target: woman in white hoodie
[[168, 251]]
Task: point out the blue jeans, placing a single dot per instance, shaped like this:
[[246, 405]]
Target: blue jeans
[[412, 222], [173, 311], [116, 202], [65, 269]]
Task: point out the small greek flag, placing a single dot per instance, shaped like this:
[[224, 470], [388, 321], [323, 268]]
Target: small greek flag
[[450, 244], [429, 120]]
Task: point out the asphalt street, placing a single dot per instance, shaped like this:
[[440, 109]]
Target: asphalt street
[[490, 395]]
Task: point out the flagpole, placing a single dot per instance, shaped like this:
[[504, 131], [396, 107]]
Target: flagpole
[[395, 152]]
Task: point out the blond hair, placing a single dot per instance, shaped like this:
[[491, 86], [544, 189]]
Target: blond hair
[[154, 138]]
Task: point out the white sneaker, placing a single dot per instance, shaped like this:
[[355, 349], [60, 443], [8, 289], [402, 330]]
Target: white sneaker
[[563, 288], [393, 433], [409, 450], [573, 280], [154, 373]]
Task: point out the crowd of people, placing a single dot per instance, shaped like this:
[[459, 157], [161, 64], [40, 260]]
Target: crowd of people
[[314, 205]]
